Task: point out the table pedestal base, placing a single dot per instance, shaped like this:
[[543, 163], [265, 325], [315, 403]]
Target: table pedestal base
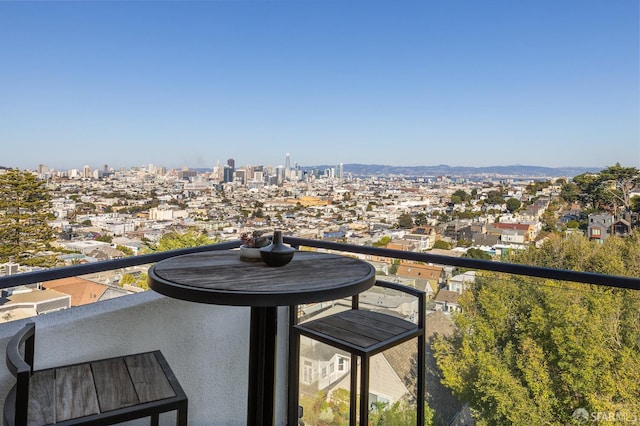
[[262, 359]]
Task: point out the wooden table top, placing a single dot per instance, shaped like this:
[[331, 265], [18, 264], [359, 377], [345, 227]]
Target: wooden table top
[[221, 278]]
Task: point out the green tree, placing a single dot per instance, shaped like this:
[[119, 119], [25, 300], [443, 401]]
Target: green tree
[[513, 204], [475, 253], [460, 196], [126, 250], [443, 218], [319, 410], [405, 221], [532, 351], [382, 242], [549, 220], [443, 245], [533, 188], [570, 192], [137, 281], [573, 224], [394, 266], [494, 197], [618, 182], [588, 189], [24, 228], [421, 219], [104, 238], [610, 188], [397, 414], [175, 240]]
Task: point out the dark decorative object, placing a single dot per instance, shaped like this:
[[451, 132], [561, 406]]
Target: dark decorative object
[[278, 253]]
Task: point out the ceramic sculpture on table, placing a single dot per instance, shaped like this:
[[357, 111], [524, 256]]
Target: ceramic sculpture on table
[[277, 253]]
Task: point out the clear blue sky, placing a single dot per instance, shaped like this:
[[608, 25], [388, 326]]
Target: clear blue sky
[[469, 83]]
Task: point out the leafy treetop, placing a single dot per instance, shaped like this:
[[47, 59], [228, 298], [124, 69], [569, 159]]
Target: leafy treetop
[[532, 351]]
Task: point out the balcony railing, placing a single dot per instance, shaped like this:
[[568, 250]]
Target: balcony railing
[[205, 344]]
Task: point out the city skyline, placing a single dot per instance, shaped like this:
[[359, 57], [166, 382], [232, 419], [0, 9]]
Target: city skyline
[[404, 83], [226, 171]]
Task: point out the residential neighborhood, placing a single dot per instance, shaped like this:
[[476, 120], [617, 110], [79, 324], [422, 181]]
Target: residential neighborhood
[[108, 214], [103, 214]]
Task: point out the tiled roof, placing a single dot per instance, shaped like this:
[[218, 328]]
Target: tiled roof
[[416, 270], [446, 296], [35, 296], [82, 291], [518, 226], [438, 323], [400, 356]]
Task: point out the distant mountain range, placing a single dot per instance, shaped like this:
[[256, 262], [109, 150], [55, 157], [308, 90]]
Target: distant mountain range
[[461, 171]]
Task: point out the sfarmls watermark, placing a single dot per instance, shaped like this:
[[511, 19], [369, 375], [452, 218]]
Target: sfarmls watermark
[[583, 415]]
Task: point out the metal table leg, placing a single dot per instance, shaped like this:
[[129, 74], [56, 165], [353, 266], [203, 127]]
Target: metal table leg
[[262, 358]]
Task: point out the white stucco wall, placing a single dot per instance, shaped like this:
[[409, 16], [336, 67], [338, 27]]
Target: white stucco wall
[[206, 345]]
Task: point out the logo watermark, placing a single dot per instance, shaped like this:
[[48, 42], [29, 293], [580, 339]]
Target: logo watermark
[[582, 415]]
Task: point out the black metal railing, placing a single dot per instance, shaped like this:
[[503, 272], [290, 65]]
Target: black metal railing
[[108, 265], [485, 265]]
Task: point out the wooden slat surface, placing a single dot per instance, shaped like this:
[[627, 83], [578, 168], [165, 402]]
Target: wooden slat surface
[[310, 277], [341, 333], [383, 322], [148, 378], [113, 384], [75, 392], [42, 398], [361, 328]]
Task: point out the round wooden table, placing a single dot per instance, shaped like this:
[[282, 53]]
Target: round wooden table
[[221, 278]]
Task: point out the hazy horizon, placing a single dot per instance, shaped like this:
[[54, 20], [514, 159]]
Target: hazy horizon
[[454, 168]]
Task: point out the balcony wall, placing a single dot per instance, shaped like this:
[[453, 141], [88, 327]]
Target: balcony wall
[[206, 345]]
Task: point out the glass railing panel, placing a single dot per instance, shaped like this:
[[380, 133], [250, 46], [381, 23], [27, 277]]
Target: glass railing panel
[[538, 351], [42, 297], [324, 385]]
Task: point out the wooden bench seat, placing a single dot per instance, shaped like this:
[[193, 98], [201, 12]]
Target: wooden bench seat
[[100, 392]]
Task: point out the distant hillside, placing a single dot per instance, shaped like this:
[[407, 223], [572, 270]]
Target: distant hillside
[[460, 171]]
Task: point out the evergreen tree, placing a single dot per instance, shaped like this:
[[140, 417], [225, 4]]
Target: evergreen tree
[[610, 188], [24, 228], [619, 182]]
